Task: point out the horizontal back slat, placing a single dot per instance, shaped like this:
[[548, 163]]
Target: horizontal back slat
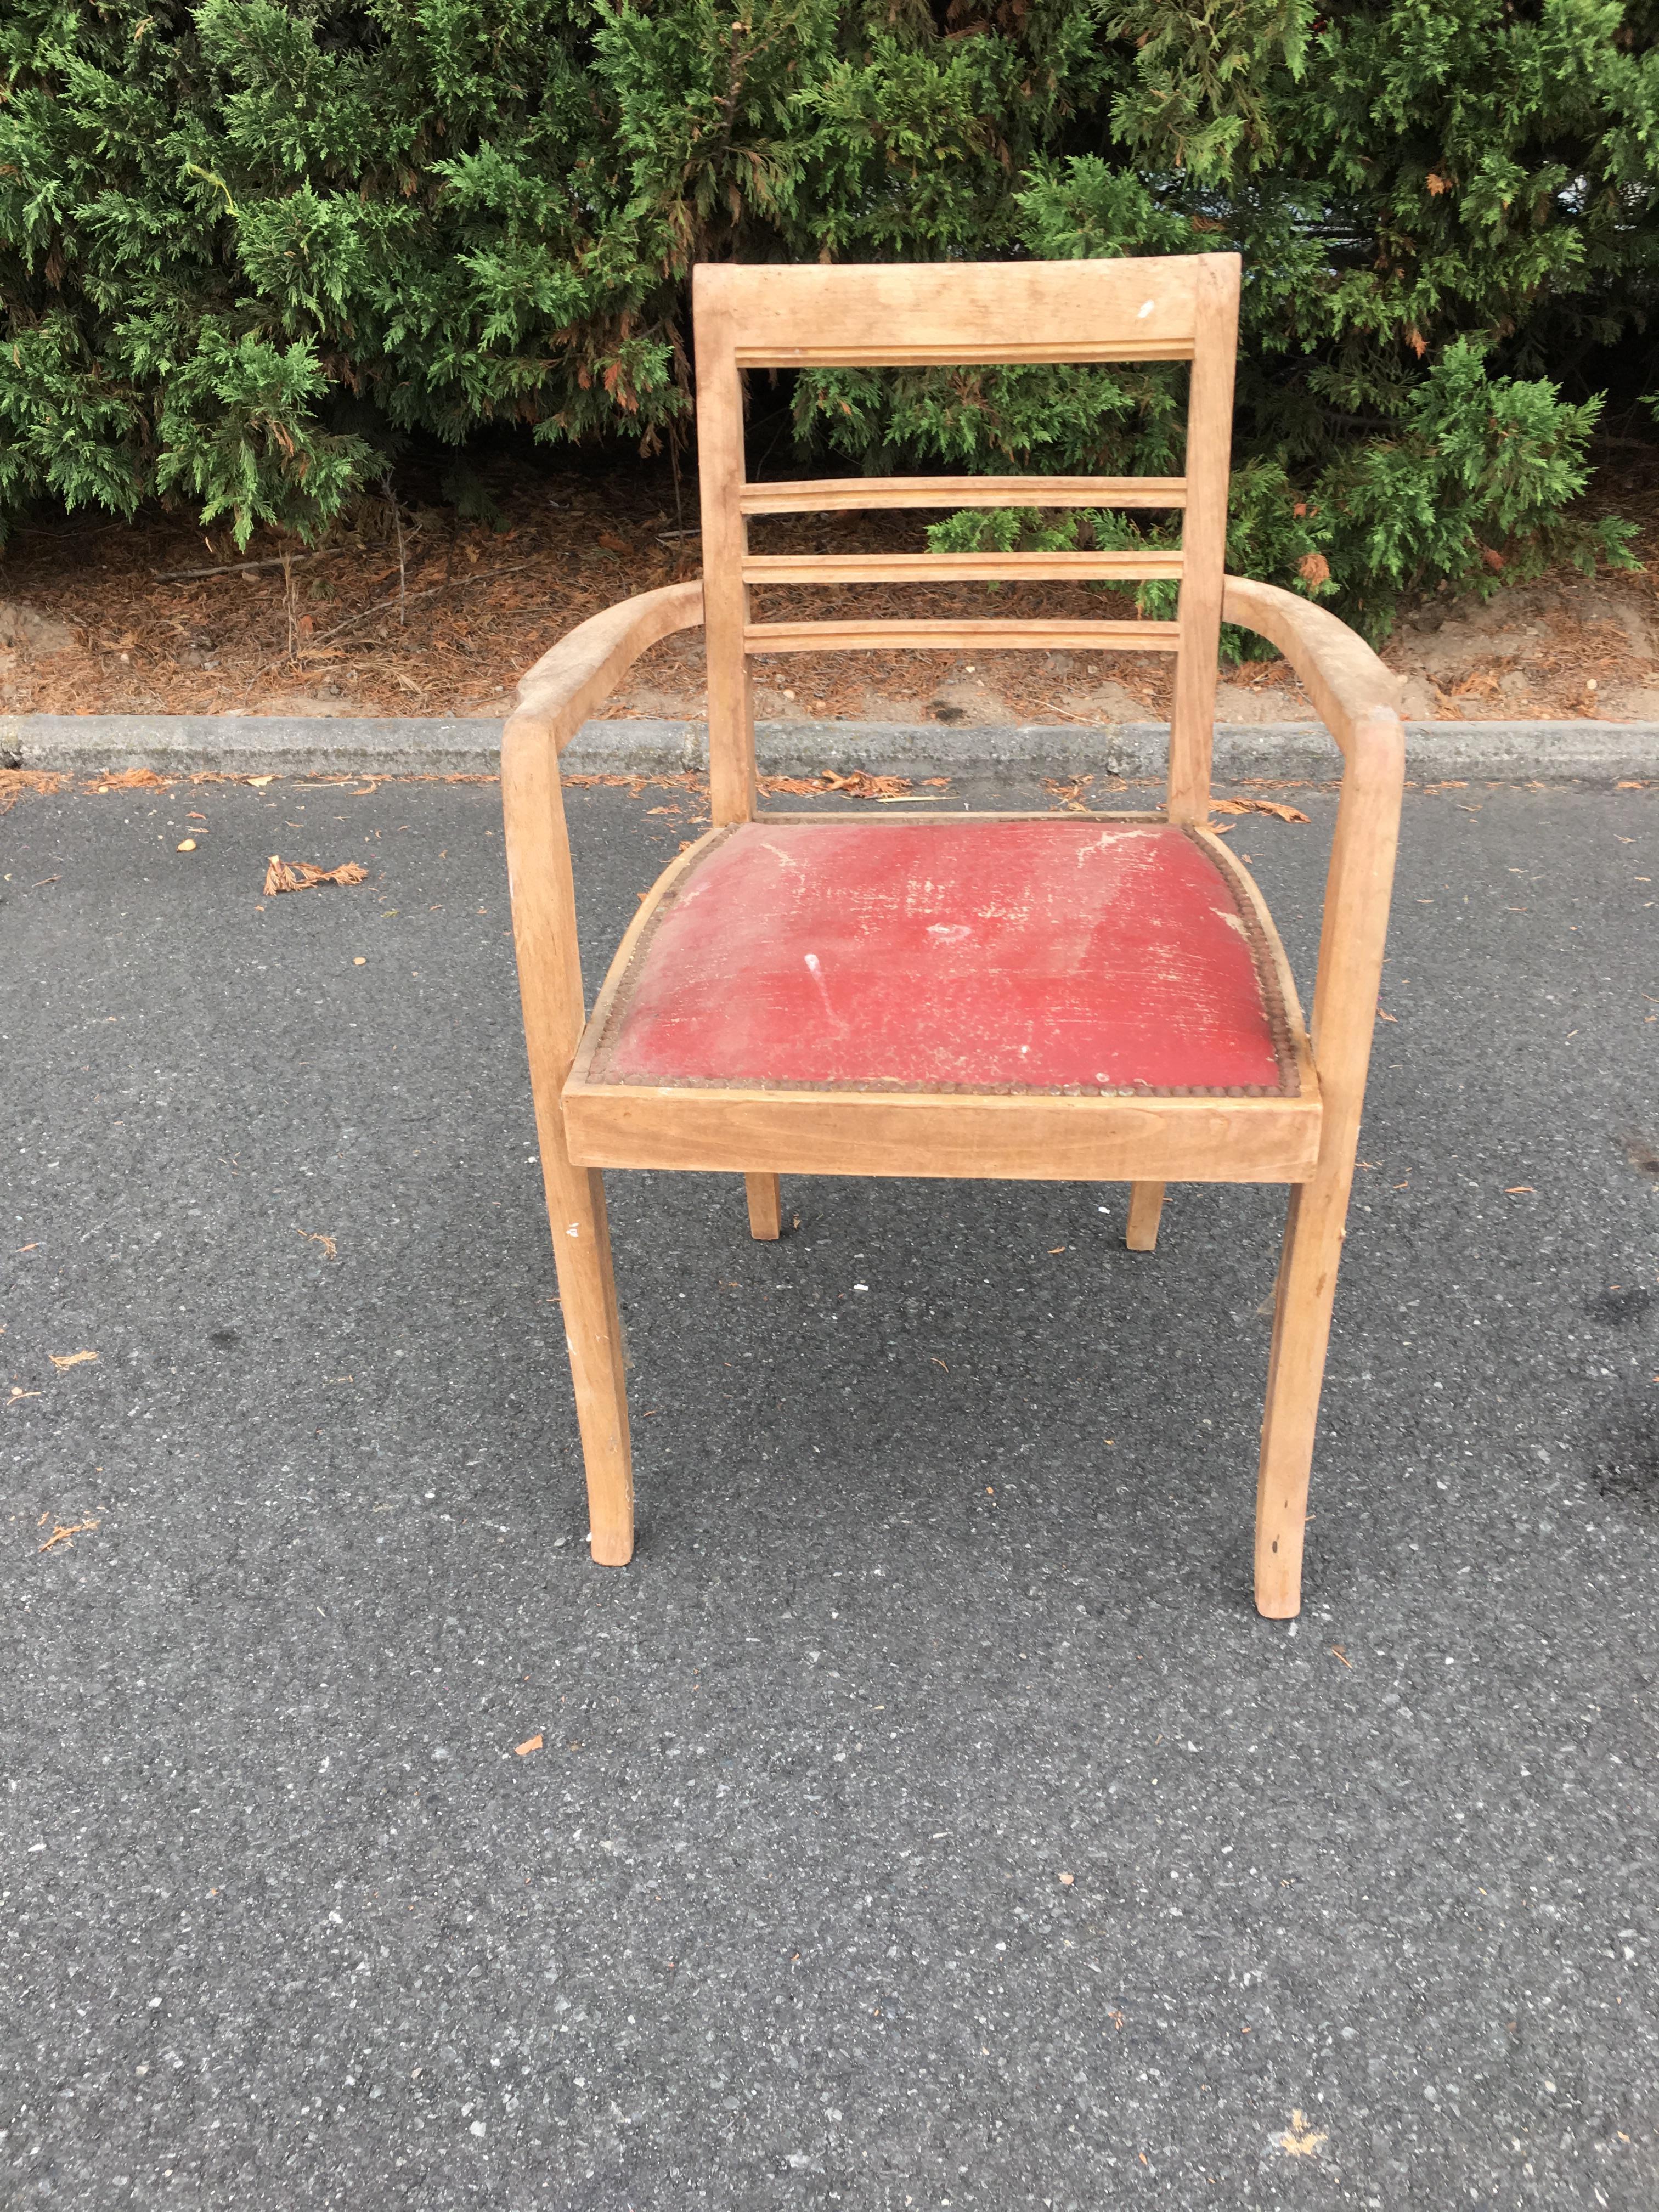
[[955, 568], [960, 353], [1046, 636], [956, 312], [850, 495]]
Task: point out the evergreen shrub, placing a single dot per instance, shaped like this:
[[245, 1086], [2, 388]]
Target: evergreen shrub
[[247, 250]]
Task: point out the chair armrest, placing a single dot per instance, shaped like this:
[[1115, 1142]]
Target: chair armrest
[[1359, 700], [555, 698], [570, 679], [1355, 694]]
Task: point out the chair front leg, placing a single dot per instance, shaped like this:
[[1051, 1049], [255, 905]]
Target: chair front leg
[[1296, 1373], [1344, 1012], [550, 991], [592, 1335]]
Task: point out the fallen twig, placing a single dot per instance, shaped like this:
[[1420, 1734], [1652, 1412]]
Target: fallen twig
[[403, 569], [1050, 708], [381, 606], [67, 1534], [255, 568]]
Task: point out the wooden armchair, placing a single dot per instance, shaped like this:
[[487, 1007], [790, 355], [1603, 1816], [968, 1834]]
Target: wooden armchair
[[1099, 998]]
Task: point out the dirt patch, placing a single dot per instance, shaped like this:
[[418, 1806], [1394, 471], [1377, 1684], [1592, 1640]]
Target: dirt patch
[[121, 619]]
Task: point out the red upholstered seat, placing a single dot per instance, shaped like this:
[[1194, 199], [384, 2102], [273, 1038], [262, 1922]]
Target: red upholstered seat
[[1056, 955]]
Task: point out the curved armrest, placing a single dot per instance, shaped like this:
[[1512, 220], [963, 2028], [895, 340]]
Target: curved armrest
[[569, 680], [555, 699], [1359, 701], [1355, 694]]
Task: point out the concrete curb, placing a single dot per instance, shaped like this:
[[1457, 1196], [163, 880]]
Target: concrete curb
[[181, 745]]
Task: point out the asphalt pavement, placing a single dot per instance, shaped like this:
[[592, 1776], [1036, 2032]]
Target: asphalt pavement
[[925, 1819]]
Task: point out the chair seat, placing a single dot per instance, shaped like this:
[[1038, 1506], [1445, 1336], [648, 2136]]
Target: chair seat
[[1054, 956]]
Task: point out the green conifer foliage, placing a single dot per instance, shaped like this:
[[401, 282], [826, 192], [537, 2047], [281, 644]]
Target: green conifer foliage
[[245, 247]]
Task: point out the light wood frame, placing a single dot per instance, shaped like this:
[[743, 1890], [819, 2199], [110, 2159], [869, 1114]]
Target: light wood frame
[[1120, 310]]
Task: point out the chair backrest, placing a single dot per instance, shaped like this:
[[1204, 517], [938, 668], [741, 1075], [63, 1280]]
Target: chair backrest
[[1185, 308]]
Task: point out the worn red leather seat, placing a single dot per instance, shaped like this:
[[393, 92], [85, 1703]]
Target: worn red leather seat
[[1099, 958]]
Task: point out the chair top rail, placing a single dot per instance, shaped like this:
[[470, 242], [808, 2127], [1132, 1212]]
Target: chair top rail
[[847, 495], [1124, 309]]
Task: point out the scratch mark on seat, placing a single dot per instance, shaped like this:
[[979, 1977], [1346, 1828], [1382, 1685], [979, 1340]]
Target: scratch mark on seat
[[815, 969], [787, 859]]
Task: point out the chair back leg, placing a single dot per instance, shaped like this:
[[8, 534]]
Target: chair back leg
[[1145, 1210], [765, 1207]]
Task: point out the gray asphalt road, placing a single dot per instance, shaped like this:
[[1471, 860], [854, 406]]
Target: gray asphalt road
[[925, 1819]]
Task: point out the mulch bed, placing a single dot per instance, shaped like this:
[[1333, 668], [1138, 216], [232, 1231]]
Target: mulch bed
[[417, 611]]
